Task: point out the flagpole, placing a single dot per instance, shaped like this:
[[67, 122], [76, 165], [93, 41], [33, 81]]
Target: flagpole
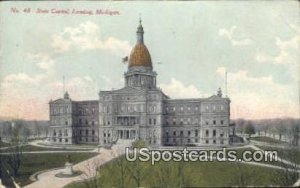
[[226, 84], [64, 89]]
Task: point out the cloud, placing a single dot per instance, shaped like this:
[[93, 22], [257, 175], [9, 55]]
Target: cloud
[[288, 55], [287, 52], [259, 97], [25, 96], [176, 89], [230, 35], [87, 36], [42, 61]]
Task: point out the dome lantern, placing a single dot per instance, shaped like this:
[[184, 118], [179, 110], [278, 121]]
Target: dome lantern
[[140, 56]]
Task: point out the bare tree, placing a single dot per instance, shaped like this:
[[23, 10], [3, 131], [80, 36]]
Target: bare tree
[[15, 152], [138, 171], [163, 174], [242, 178], [249, 129], [121, 168], [290, 172], [91, 174]]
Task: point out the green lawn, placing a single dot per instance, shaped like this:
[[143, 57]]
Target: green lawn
[[36, 148], [32, 163], [291, 154], [267, 140], [193, 174], [3, 144]]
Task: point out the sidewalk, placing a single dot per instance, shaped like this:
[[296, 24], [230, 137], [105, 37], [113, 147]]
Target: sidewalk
[[88, 167]]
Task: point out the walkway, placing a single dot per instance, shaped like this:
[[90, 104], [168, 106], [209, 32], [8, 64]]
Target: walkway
[[88, 167], [48, 179]]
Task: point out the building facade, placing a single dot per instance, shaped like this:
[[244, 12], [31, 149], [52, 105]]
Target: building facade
[[140, 110]]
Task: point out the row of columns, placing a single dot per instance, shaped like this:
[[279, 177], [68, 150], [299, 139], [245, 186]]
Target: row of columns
[[127, 134]]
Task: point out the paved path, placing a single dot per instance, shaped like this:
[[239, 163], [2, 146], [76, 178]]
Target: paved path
[[42, 144], [48, 179], [88, 167]]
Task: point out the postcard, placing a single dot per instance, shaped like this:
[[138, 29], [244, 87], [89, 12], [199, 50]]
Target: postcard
[[149, 94]]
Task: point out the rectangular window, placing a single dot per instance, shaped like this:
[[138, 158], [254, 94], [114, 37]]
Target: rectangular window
[[206, 141], [207, 133], [154, 121], [222, 107], [214, 122], [214, 132], [222, 122], [174, 133], [214, 141]]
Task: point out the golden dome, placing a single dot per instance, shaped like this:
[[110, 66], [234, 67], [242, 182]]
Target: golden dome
[[140, 56]]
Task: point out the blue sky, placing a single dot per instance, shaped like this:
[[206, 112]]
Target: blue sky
[[256, 42]]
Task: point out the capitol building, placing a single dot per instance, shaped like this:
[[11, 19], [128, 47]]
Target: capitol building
[[141, 111]]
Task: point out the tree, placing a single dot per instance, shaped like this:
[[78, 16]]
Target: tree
[[15, 152], [244, 177], [139, 144], [163, 175], [249, 129], [290, 172], [91, 175], [296, 132]]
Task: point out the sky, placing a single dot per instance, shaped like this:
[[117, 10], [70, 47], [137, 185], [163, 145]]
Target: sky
[[192, 45]]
